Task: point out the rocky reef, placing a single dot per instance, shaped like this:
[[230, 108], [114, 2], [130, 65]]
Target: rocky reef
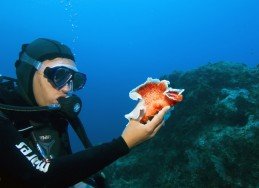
[[210, 140]]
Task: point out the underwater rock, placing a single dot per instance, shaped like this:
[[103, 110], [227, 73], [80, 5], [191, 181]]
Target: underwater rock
[[231, 95], [210, 140]]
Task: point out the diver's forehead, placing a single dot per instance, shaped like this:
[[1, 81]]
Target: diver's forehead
[[59, 62]]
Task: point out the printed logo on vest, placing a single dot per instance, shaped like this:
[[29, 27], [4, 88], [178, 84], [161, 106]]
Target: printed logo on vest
[[40, 165]]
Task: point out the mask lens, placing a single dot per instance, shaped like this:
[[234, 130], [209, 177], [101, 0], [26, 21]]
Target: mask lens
[[79, 80], [62, 76]]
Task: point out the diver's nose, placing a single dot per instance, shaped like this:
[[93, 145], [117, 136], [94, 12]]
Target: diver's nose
[[68, 87]]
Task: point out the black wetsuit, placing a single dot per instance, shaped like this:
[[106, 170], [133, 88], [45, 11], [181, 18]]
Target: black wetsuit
[[22, 165]]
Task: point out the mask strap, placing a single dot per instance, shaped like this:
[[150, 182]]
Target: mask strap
[[27, 59], [37, 64]]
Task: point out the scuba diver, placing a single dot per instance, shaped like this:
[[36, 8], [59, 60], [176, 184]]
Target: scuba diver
[[35, 111]]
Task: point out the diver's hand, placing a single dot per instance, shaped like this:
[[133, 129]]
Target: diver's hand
[[136, 132]]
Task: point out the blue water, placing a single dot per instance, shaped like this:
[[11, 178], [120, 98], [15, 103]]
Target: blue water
[[118, 44]]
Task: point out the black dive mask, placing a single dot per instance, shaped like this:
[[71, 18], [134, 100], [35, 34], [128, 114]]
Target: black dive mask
[[70, 106], [60, 76]]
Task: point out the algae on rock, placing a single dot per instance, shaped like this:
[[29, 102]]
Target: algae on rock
[[210, 140]]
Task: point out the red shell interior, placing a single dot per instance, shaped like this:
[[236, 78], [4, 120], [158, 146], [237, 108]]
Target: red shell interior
[[155, 99]]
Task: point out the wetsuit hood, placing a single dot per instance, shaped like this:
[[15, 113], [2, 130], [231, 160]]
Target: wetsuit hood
[[40, 49]]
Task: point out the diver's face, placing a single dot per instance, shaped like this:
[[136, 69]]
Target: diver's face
[[44, 92]]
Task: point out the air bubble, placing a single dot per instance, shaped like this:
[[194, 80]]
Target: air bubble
[[71, 18]]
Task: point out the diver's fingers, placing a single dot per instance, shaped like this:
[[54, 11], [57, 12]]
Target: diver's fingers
[[157, 128], [158, 118]]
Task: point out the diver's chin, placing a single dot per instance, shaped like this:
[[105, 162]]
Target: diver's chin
[[53, 102]]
